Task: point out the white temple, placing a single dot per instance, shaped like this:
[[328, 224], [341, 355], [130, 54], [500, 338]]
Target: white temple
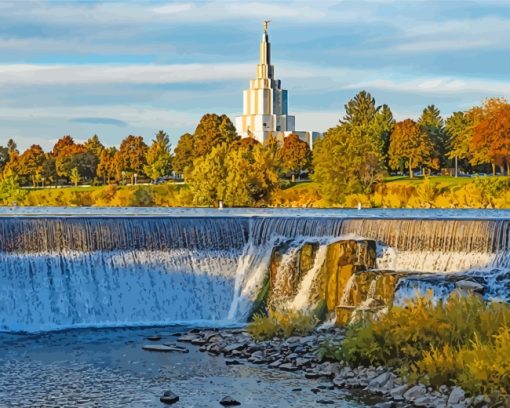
[[265, 104]]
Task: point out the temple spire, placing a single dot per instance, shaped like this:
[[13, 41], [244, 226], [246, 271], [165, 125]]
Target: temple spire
[[265, 46]]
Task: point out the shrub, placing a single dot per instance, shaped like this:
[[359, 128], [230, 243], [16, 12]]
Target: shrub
[[462, 341], [282, 324]]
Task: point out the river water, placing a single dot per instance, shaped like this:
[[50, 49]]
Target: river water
[[107, 368]]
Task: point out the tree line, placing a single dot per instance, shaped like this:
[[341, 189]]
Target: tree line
[[218, 165], [369, 143]]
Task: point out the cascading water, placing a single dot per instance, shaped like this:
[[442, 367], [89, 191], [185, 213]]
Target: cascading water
[[58, 272]]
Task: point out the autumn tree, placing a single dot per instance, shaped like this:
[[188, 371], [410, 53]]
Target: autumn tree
[[183, 154], [295, 155], [94, 146], [106, 166], [212, 130], [31, 164], [131, 157], [69, 155], [490, 142], [409, 147], [159, 158]]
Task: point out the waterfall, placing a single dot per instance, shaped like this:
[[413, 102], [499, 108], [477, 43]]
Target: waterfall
[[60, 272]]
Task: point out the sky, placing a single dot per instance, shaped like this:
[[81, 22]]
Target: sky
[[134, 67]]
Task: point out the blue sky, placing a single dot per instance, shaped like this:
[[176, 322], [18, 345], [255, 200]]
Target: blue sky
[[120, 68]]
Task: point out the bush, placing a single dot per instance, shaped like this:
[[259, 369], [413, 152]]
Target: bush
[[463, 341], [282, 324]]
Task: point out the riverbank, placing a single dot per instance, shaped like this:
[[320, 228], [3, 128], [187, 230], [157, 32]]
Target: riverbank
[[394, 192], [303, 355]]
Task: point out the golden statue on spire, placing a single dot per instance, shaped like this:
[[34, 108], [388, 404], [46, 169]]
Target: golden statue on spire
[[266, 22]]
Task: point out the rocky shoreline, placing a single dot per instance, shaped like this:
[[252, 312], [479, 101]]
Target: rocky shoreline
[[301, 354]]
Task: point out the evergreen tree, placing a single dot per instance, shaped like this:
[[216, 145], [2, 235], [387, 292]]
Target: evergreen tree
[[159, 158]]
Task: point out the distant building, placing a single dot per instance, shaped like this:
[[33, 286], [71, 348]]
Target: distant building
[[265, 110]]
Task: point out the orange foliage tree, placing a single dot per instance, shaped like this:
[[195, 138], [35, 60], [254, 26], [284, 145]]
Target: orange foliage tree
[[490, 142]]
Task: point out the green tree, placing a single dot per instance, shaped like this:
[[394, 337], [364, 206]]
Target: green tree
[[4, 157], [12, 146], [74, 176], [252, 175], [183, 154], [345, 161], [459, 132], [10, 191], [432, 124], [106, 166], [159, 158], [207, 178], [410, 146], [295, 155]]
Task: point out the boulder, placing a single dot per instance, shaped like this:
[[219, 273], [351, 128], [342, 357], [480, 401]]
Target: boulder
[[415, 392], [169, 398], [229, 402], [154, 338], [469, 285], [164, 348], [456, 396]]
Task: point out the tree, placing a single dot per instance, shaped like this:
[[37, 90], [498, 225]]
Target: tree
[[491, 136], [4, 157], [242, 174], [296, 155], [12, 146], [183, 154], [211, 131], [458, 129], [106, 166], [10, 191], [94, 146], [31, 164], [409, 147], [69, 155], [74, 176], [252, 174], [432, 124], [208, 176], [131, 157], [345, 161], [159, 158]]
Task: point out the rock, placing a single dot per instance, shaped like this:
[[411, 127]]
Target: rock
[[234, 347], [424, 401], [469, 285], [229, 402], [415, 392], [456, 396], [232, 362], [326, 402], [387, 404], [302, 361], [198, 341], [397, 393], [379, 381], [276, 364], [315, 390], [296, 389], [288, 367], [154, 338], [169, 398], [164, 348]]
